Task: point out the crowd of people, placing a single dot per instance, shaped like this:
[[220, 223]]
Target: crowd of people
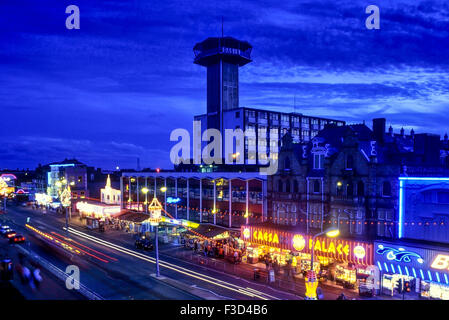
[[223, 249]]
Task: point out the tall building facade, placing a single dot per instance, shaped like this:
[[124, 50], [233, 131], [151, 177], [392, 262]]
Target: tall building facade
[[223, 57], [349, 176]]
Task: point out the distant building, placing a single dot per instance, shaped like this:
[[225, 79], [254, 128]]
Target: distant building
[[110, 195], [70, 172]]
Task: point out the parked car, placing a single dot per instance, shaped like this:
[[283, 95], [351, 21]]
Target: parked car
[[11, 233], [144, 244], [18, 238]]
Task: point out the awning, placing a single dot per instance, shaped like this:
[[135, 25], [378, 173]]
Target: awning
[[134, 217], [208, 231]]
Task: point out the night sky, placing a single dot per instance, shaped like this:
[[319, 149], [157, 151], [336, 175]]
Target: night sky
[[115, 89]]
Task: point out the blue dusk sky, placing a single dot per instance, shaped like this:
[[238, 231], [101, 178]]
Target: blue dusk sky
[[115, 89]]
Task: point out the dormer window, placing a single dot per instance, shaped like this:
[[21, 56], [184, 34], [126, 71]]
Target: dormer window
[[287, 163], [318, 161], [349, 162]]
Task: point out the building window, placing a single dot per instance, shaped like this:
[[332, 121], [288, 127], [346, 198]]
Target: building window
[[443, 197], [287, 163], [295, 186], [360, 189], [287, 186], [237, 114], [349, 162], [80, 179], [316, 186], [318, 161], [280, 186], [386, 189], [350, 189]]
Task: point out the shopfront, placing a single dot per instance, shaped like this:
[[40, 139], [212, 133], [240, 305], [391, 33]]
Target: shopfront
[[425, 269], [347, 262]]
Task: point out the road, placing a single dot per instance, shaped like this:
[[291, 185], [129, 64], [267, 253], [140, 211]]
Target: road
[[113, 269]]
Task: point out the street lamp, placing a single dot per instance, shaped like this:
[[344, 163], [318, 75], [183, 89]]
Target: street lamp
[[311, 280], [155, 209], [331, 233], [66, 201], [145, 191]]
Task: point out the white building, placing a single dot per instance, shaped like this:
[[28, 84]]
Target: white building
[[110, 195]]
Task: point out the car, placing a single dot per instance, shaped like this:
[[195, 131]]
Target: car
[[11, 233], [3, 231], [4, 227], [144, 244], [17, 238]]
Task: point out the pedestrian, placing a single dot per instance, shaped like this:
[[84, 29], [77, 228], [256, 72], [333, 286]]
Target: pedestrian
[[37, 278], [236, 256]]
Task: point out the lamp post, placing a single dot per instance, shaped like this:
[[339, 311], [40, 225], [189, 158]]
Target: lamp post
[[145, 192], [66, 201], [155, 208], [311, 280]]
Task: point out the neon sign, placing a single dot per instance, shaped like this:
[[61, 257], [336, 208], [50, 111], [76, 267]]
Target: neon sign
[[270, 237], [359, 252], [173, 200], [299, 242], [399, 255], [341, 249], [441, 262]]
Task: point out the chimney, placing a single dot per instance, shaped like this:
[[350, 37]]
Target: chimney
[[412, 133], [379, 129], [402, 132], [390, 131]]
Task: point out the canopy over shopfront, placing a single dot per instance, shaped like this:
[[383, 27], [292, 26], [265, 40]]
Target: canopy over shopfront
[[342, 250], [209, 231], [98, 210]]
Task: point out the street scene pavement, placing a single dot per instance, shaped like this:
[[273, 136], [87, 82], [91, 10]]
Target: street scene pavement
[[114, 269]]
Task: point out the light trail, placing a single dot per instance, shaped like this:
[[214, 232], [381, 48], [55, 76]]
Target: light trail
[[61, 243], [250, 293], [82, 245]]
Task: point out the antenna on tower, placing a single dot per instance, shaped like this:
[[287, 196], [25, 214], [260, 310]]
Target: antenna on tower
[[294, 103]]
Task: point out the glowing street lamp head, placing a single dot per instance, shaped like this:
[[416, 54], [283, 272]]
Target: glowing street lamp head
[[145, 190], [163, 189], [332, 233]]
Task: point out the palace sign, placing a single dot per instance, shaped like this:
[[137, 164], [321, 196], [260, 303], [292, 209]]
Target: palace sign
[[343, 250]]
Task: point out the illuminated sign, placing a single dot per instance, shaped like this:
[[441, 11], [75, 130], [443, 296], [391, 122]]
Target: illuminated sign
[[441, 262], [399, 255], [173, 200], [269, 237], [299, 242], [359, 252], [337, 248]]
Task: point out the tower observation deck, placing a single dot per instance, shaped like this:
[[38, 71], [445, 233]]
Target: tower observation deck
[[222, 56]]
